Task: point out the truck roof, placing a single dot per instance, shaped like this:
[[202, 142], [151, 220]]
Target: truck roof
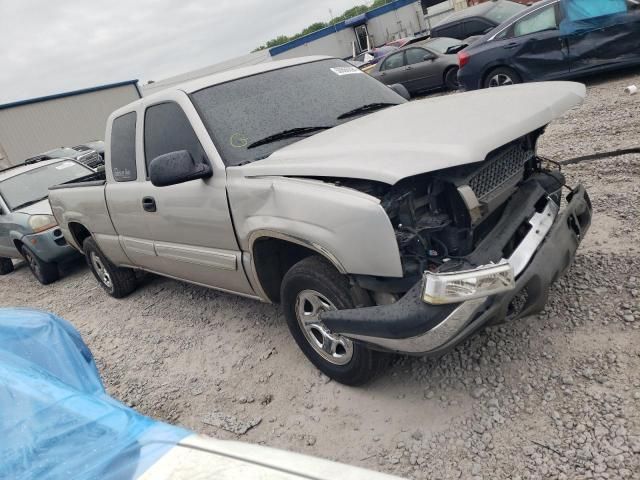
[[223, 77], [19, 169]]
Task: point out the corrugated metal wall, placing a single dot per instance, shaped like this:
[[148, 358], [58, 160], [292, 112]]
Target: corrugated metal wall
[[27, 130]]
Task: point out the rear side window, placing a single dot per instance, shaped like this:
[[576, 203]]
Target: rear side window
[[476, 27], [123, 148], [416, 55], [167, 129], [451, 31], [394, 61], [540, 21]]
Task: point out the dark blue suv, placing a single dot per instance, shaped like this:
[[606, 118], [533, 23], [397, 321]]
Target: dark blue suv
[[554, 39]]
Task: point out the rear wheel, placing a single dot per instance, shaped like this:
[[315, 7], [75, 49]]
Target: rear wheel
[[45, 272], [6, 266], [117, 282], [451, 79], [501, 77], [313, 286]]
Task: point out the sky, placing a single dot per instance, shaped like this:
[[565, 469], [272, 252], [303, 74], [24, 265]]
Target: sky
[[54, 46]]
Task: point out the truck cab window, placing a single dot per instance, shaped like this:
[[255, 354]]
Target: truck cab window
[[123, 148], [167, 129]]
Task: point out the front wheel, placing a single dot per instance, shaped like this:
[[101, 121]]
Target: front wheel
[[502, 77], [117, 282], [45, 272], [313, 286], [6, 266]]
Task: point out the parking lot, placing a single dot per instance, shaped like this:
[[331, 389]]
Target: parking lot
[[552, 396]]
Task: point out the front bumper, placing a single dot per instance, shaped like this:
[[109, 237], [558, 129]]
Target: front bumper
[[50, 246], [411, 326]]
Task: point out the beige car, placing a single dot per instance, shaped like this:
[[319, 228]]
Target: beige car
[[257, 182]]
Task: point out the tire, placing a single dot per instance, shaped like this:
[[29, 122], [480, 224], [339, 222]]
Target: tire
[[501, 76], [45, 272], [117, 282], [314, 285], [451, 79], [6, 266]]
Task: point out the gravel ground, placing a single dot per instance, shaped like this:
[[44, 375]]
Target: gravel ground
[[551, 396]]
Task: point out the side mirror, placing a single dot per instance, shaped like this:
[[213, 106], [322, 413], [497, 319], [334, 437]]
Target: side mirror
[[401, 90], [428, 57], [176, 167]]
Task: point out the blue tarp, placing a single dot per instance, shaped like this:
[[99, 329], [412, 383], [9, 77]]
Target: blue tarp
[[582, 15], [577, 10], [56, 420]]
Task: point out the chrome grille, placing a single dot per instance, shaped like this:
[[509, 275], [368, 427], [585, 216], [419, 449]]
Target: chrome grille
[[506, 164]]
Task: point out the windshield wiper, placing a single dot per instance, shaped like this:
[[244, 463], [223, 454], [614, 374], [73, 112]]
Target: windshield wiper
[[31, 202], [366, 108], [292, 132]]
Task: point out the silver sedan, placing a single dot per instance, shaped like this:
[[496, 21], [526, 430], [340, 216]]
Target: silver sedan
[[422, 66]]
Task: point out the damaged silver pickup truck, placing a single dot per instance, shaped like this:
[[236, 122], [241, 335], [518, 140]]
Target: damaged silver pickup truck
[[380, 225]]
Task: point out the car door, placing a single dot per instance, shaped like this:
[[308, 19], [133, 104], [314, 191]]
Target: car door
[[536, 48], [600, 34], [190, 223], [422, 69], [392, 69], [7, 247], [122, 192]]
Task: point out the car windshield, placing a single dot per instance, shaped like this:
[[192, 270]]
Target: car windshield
[[62, 152], [442, 44], [242, 112], [503, 11], [33, 185]]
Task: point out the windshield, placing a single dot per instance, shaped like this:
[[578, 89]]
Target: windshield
[[62, 152], [503, 11], [241, 112], [442, 44], [32, 186]]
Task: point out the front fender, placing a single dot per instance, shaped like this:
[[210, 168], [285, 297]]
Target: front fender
[[348, 227]]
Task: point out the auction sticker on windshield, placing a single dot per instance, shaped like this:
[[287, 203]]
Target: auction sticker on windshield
[[345, 70]]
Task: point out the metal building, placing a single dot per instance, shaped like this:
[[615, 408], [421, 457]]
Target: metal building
[[394, 20], [30, 127]]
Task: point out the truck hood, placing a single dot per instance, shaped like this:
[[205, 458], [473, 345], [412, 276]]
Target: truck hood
[[423, 136], [40, 208]]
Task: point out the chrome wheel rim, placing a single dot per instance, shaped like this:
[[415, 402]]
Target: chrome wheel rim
[[333, 348], [33, 264], [500, 80], [101, 271]]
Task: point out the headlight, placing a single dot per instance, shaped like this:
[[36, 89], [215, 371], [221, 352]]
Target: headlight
[[40, 223], [443, 288]]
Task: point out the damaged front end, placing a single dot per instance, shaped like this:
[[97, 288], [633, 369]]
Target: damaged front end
[[478, 243]]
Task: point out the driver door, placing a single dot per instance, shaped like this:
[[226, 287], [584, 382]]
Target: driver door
[[190, 223], [423, 71]]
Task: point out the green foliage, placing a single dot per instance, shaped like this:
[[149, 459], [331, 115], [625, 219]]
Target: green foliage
[[314, 27]]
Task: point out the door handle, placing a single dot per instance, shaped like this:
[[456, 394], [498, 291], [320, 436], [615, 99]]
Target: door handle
[[511, 45], [409, 68], [149, 204]]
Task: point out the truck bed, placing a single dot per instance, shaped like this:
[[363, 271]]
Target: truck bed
[[82, 202], [95, 180]]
